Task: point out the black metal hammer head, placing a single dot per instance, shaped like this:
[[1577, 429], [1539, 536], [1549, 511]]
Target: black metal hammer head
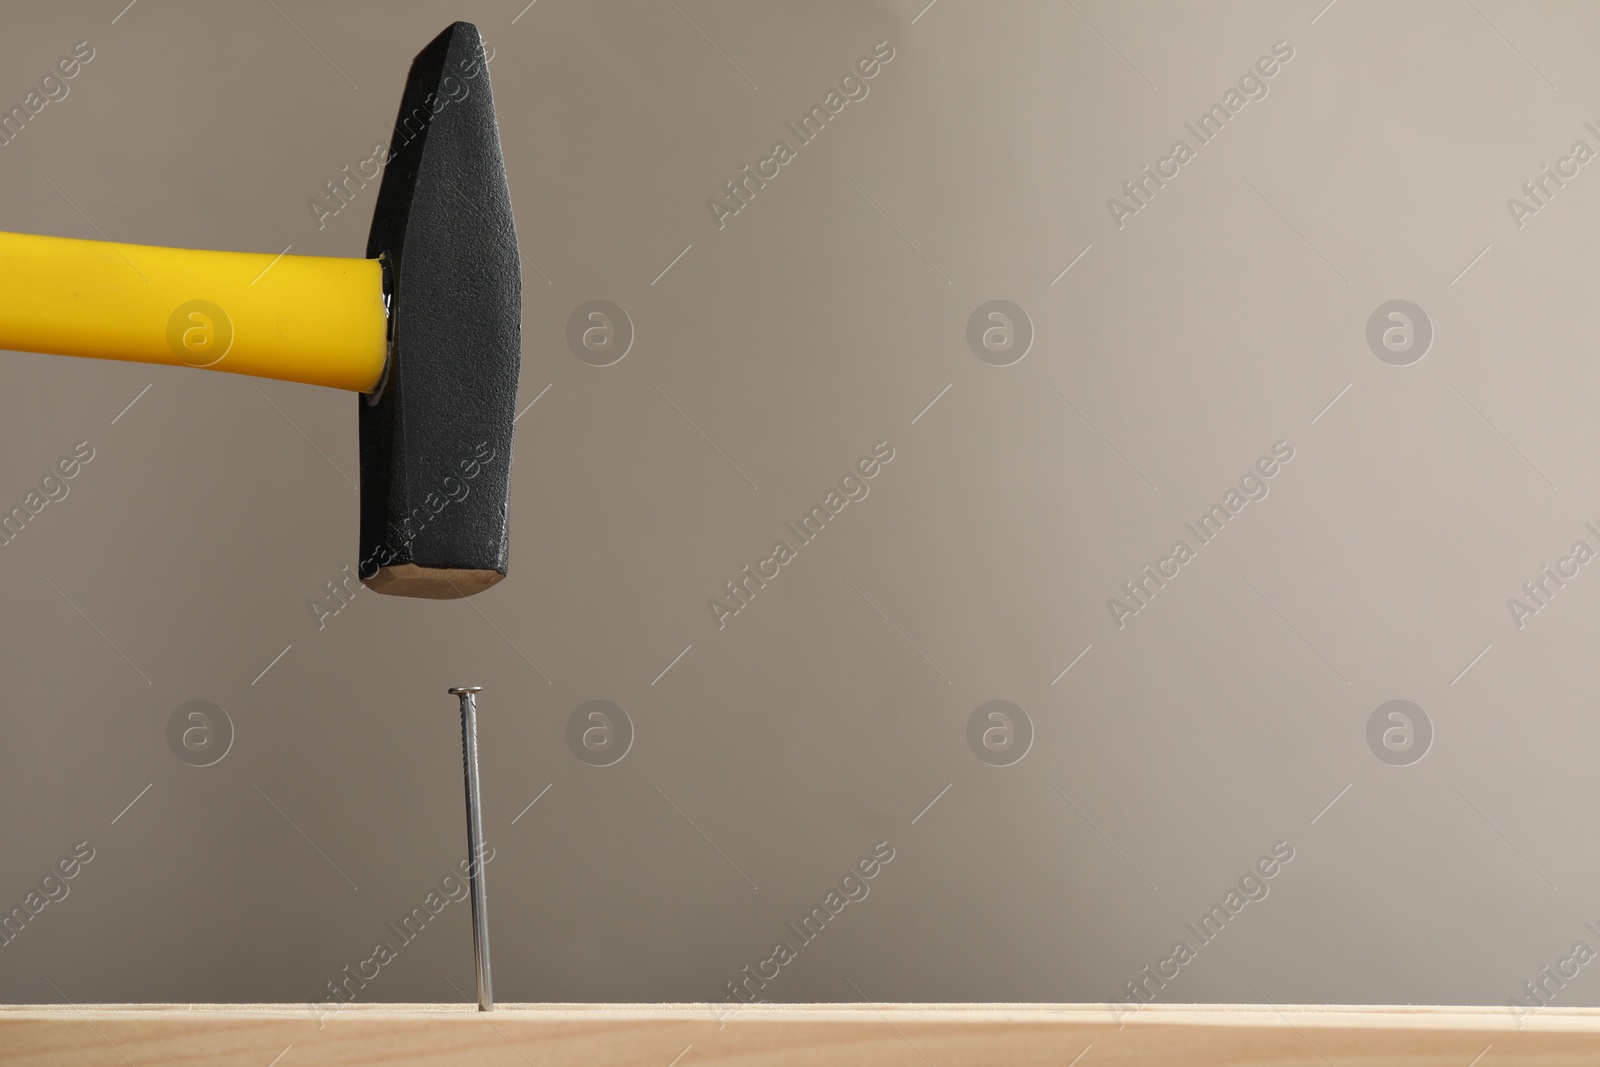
[[436, 435]]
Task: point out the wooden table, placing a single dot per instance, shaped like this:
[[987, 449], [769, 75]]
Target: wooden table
[[942, 1035]]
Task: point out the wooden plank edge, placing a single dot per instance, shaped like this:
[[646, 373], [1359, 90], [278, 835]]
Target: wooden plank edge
[[651, 1035], [1405, 1016]]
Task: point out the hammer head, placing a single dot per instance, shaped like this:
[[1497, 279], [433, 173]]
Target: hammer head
[[436, 434]]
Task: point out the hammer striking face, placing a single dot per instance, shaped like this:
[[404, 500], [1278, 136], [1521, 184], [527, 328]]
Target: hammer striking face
[[427, 328]]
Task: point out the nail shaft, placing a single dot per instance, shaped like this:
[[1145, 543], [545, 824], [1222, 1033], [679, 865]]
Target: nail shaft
[[480, 906]]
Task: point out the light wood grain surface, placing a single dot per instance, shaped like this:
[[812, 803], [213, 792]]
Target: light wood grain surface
[[890, 1034]]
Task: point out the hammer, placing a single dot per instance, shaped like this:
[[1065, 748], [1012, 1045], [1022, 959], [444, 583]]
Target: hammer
[[428, 328]]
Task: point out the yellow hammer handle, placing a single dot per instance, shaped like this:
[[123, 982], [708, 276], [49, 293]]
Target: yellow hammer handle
[[310, 319]]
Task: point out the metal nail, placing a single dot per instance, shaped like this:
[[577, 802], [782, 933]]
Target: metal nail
[[480, 905]]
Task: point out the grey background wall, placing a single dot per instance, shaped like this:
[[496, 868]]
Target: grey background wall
[[1163, 753]]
